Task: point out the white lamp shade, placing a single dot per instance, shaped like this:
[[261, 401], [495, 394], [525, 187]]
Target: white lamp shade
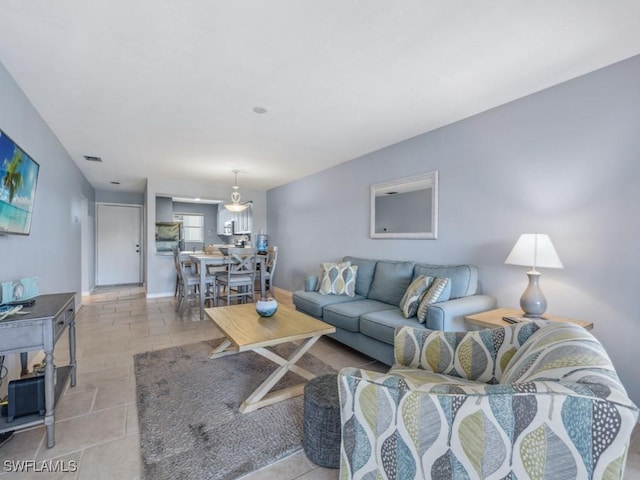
[[236, 207], [535, 250]]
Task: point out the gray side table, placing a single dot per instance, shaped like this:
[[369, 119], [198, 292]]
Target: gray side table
[[49, 317]]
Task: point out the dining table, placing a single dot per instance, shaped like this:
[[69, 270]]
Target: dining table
[[201, 261]]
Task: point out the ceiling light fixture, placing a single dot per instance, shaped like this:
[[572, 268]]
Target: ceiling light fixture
[[260, 110], [235, 205]]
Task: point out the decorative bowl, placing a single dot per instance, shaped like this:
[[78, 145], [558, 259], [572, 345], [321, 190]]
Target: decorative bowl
[[267, 307]]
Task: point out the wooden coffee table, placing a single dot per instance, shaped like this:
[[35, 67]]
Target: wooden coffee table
[[245, 331]]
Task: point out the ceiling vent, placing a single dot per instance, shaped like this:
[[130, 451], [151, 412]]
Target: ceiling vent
[[91, 158]]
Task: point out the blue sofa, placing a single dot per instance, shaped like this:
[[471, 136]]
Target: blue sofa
[[368, 320]]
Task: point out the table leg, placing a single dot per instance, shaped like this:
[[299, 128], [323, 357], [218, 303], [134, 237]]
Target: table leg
[[24, 363], [203, 273], [49, 398], [261, 396], [263, 279], [72, 349], [222, 350]]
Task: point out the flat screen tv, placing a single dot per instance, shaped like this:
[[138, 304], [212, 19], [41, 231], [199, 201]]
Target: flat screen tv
[[18, 180]]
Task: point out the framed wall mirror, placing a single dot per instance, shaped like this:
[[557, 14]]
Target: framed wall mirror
[[405, 207]]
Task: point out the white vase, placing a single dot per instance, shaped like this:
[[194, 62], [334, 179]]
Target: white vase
[[266, 307]]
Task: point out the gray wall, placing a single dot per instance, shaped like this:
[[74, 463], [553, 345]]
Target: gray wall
[[127, 198], [64, 207], [164, 209], [564, 161], [52, 250]]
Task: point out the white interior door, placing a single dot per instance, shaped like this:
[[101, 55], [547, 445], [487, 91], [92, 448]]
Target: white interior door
[[119, 243]]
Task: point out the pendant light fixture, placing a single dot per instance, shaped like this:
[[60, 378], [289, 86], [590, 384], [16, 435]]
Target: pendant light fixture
[[235, 205]]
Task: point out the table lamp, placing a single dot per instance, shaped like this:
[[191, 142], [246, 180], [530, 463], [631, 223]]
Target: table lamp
[[536, 250]]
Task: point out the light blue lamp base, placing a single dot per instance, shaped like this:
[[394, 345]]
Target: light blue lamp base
[[532, 302]]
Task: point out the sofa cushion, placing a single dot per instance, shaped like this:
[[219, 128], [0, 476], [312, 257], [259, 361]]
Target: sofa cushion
[[463, 278], [347, 315], [382, 325], [366, 268], [390, 281], [313, 303]]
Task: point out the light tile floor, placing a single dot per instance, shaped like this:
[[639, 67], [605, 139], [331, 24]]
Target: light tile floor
[[96, 422]]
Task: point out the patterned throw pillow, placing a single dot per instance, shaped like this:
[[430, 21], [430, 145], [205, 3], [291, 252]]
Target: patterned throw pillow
[[413, 294], [338, 279], [328, 269], [432, 296]]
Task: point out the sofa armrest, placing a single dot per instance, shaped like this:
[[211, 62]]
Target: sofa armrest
[[450, 315], [394, 426]]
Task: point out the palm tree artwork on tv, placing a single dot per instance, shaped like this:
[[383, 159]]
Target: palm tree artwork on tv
[[18, 180], [13, 179]]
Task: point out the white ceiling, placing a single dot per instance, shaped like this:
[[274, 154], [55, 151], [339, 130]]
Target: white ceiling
[[166, 88]]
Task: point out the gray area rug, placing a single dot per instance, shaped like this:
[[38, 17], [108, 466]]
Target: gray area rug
[[190, 427]]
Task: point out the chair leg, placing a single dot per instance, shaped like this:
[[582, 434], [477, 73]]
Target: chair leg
[[180, 303], [186, 296]]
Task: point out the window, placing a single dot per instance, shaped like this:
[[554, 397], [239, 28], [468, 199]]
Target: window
[[192, 226]]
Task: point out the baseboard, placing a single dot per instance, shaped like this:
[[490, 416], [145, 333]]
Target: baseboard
[[160, 295]]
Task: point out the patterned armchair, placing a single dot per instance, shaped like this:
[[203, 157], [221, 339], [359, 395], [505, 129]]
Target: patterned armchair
[[533, 400]]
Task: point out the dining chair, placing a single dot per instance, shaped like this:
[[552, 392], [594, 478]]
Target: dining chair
[[189, 282], [270, 267], [185, 265], [239, 279]]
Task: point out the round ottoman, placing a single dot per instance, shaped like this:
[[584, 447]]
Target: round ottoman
[[321, 421]]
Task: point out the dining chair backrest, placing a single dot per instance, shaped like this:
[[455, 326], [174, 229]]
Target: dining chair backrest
[[176, 260], [272, 260], [241, 261], [180, 260], [238, 282]]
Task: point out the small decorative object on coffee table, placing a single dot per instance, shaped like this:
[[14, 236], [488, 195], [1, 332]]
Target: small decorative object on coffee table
[[266, 307]]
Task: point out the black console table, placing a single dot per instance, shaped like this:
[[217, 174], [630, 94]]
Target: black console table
[[40, 329]]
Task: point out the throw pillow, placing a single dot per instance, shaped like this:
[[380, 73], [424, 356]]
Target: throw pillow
[[349, 276], [433, 295], [413, 294], [328, 269], [338, 279]]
